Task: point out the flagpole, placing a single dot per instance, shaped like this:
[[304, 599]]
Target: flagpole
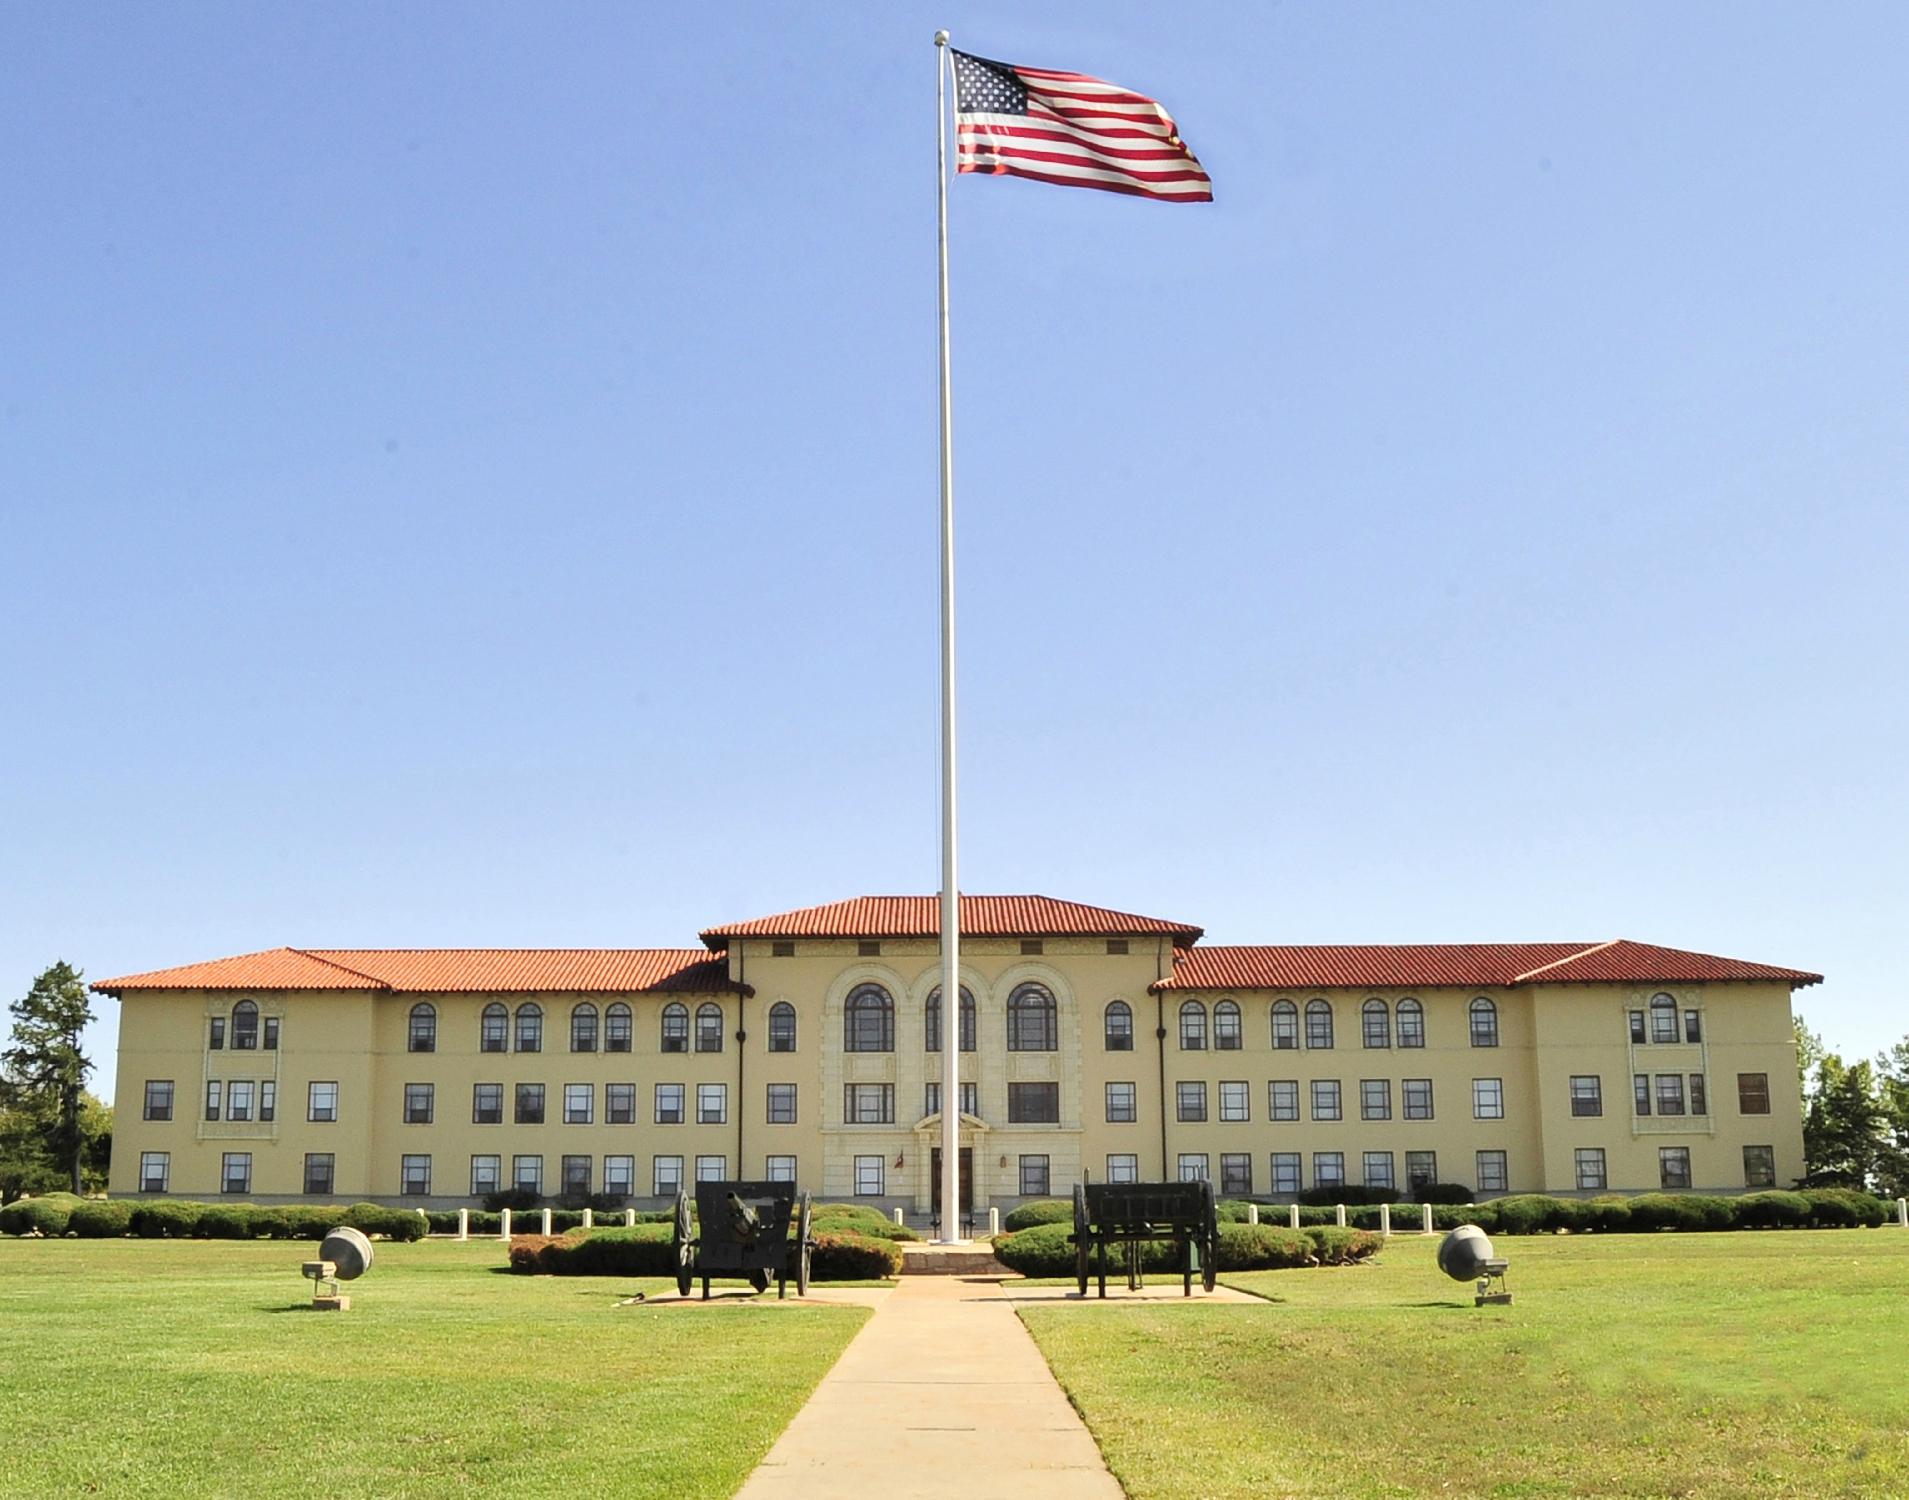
[[950, 891]]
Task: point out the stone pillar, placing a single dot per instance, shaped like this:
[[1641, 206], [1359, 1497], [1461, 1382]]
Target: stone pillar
[[1339, 1214], [1385, 1219], [1425, 1218], [463, 1223], [1252, 1213], [546, 1224], [503, 1220], [629, 1218], [1292, 1215], [994, 1220], [589, 1219]]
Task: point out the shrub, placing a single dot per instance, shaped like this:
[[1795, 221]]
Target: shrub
[[1047, 1211], [166, 1219], [1529, 1213], [1341, 1247], [647, 1250], [101, 1220], [1044, 1250], [1348, 1193], [48, 1214], [853, 1257], [514, 1199], [1689, 1212], [1844, 1208], [858, 1218], [1772, 1210], [1260, 1247], [483, 1223], [1608, 1214], [224, 1221], [1233, 1210], [269, 1224], [1441, 1192], [393, 1223]]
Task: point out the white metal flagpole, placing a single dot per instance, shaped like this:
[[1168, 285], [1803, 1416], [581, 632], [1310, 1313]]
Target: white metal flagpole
[[950, 891]]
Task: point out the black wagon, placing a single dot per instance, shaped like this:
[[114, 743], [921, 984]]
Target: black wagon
[[749, 1231], [1130, 1214]]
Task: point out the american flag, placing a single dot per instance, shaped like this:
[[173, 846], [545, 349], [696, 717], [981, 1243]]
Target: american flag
[[1070, 129]]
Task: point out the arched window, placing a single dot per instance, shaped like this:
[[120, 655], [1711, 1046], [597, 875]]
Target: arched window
[[617, 1028], [1318, 1023], [1033, 1020], [245, 1025], [1226, 1026], [494, 1030], [709, 1027], [676, 1027], [1376, 1023], [1484, 1018], [933, 1018], [530, 1027], [583, 1028], [868, 1020], [1192, 1027], [422, 1036], [1411, 1023], [782, 1027], [1119, 1026], [1285, 1026], [1663, 1020]]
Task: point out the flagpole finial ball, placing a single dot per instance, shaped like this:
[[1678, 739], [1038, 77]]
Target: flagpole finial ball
[[941, 38]]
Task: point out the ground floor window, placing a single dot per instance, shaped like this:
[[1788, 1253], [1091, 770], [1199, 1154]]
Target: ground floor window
[[1328, 1168], [1285, 1172], [576, 1176], [666, 1177], [712, 1168], [1590, 1163], [619, 1176], [868, 1176], [1123, 1166], [1378, 1169], [415, 1174], [155, 1170], [1494, 1176], [1033, 1176], [1673, 1166], [1193, 1166], [485, 1171], [1421, 1168], [1759, 1166], [527, 1174], [235, 1172], [1236, 1173], [781, 1168]]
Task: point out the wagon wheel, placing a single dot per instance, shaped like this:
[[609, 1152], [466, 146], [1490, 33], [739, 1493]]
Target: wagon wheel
[[803, 1244], [1080, 1236], [1210, 1225], [684, 1245]]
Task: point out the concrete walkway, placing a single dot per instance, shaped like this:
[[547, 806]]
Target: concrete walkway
[[942, 1394]]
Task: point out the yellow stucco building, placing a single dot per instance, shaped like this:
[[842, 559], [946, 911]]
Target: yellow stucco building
[[806, 1046]]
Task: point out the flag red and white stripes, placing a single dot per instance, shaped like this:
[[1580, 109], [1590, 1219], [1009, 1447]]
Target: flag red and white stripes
[[1070, 129]]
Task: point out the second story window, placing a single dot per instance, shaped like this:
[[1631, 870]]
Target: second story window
[[1375, 1023], [868, 1020], [933, 1019], [782, 1027], [1192, 1026], [1285, 1026], [530, 1027], [709, 1027], [616, 1028], [245, 1026], [494, 1031], [675, 1027], [1484, 1023], [421, 1035], [1318, 1023], [1663, 1018], [1033, 1022], [1411, 1024], [1118, 1034], [1226, 1026], [583, 1027]]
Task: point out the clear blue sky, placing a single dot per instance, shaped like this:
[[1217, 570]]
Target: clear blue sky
[[467, 476]]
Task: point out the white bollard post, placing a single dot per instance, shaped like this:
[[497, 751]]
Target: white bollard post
[[463, 1224], [1252, 1213], [427, 1220], [629, 1218], [898, 1217], [1425, 1218], [1902, 1212], [589, 1219], [503, 1220], [1339, 1214], [1292, 1215], [546, 1224], [1385, 1219], [994, 1221]]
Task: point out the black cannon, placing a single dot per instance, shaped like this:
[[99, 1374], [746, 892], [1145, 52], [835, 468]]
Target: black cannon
[[1129, 1214], [742, 1230]]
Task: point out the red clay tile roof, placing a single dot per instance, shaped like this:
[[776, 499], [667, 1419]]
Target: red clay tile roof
[[981, 916], [1464, 965], [445, 971]]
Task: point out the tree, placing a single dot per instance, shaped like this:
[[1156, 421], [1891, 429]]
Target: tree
[[1843, 1130], [1809, 1052], [1892, 1160], [45, 1068]]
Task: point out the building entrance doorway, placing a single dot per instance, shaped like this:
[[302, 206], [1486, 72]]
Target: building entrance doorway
[[964, 1165]]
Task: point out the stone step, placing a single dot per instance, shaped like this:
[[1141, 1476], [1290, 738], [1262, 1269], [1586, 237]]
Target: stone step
[[950, 1260]]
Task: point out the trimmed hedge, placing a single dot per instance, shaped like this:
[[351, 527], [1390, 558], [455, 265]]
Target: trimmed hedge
[[1348, 1193], [47, 1213], [858, 1218], [101, 1219], [649, 1250], [1047, 1211], [1844, 1208], [1043, 1249], [172, 1219]]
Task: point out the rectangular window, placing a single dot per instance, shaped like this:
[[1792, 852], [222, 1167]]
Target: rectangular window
[[214, 1092], [1670, 1093], [781, 1104], [158, 1098], [669, 1104], [1328, 1169], [1590, 1165], [1193, 1166], [1285, 1173], [268, 1101], [666, 1176], [527, 1174], [1640, 1093], [1693, 1026], [1122, 1104], [576, 1176], [869, 948], [619, 1104], [238, 1099], [1673, 1166], [1325, 1099], [321, 1103], [1488, 1098], [782, 948], [271, 1033], [1282, 1099], [155, 1170], [1236, 1173], [1032, 947], [487, 1104], [619, 1176], [1587, 1095], [1378, 1169], [868, 1176], [530, 1104], [1034, 1103], [781, 1168], [1189, 1101], [1417, 1097], [1494, 1176], [712, 1168], [216, 1041], [420, 1103], [235, 1172], [712, 1103], [1637, 1028], [1663, 1021], [1116, 946], [415, 1173], [1375, 1098], [1123, 1166], [321, 1168], [1421, 1168], [1759, 1166], [1753, 1093], [1699, 1095], [1235, 1102], [869, 1103], [970, 1100], [580, 1103], [1033, 1176], [485, 1174]]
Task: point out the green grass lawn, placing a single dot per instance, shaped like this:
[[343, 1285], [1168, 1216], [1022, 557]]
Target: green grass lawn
[[1701, 1364], [144, 1367]]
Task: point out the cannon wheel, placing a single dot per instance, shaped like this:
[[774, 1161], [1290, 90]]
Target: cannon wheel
[[1080, 1236], [802, 1248], [684, 1244], [1210, 1235]]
